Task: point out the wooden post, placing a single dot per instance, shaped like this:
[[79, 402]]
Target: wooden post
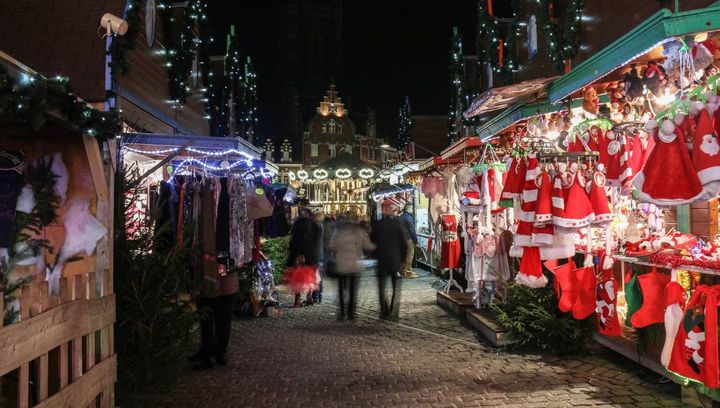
[[2, 308], [63, 357], [77, 357], [90, 350], [43, 364], [23, 397]]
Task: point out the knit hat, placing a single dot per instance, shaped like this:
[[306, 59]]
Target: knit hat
[[706, 154]]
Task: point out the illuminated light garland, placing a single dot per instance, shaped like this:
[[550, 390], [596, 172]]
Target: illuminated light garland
[[405, 125], [343, 173], [377, 197], [292, 176], [320, 174], [366, 173], [302, 175], [212, 153]]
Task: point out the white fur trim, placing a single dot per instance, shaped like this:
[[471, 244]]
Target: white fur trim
[[574, 224], [523, 241], [603, 218], [644, 197], [526, 216], [709, 175], [531, 281], [558, 202], [530, 195], [515, 251], [542, 239], [542, 220]]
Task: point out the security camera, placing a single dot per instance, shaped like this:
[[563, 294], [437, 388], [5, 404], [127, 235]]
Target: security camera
[[113, 24]]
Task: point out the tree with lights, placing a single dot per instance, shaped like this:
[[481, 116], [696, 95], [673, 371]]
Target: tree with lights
[[404, 126], [457, 77], [248, 114]]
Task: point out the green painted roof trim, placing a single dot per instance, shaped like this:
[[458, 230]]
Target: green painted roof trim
[[519, 111], [638, 41]]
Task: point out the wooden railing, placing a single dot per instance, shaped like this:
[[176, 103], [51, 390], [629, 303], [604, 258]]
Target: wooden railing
[[60, 352]]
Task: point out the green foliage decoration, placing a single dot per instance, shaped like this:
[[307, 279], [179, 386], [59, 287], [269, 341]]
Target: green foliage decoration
[[121, 44], [276, 250], [33, 100], [532, 318], [562, 38], [154, 319]]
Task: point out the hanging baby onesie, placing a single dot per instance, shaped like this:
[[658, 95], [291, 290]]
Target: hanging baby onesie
[[450, 252]]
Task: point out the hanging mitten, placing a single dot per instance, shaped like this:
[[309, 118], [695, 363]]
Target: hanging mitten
[[675, 302], [606, 301], [530, 273], [565, 286], [652, 310], [633, 294], [585, 303]]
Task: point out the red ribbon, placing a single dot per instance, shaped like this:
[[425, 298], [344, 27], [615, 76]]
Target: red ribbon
[[500, 54], [489, 7]]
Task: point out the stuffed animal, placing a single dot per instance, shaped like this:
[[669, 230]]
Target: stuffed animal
[[591, 102], [654, 78]]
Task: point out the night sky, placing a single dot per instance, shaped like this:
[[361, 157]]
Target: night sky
[[392, 49]]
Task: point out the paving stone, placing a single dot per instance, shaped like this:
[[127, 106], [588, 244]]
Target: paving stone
[[428, 358]]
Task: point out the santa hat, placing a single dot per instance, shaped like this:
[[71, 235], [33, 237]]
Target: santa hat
[[528, 204], [706, 154], [530, 273], [578, 210], [657, 185], [616, 161], [636, 156], [558, 195], [543, 213], [599, 200], [515, 179]]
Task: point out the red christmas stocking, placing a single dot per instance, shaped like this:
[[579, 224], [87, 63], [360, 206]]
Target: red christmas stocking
[[695, 351], [530, 273], [606, 303], [585, 303], [674, 305], [652, 310], [565, 282]]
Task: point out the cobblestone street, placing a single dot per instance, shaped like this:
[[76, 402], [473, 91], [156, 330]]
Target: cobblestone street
[[426, 359]]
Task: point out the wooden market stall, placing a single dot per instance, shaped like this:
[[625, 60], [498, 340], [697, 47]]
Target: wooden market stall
[[58, 350]]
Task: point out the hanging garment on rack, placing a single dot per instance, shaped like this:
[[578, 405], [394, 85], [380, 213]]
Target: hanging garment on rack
[[164, 234], [472, 263], [238, 222], [209, 283], [450, 251], [432, 185]]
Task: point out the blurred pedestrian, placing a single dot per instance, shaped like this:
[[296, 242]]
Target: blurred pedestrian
[[304, 251], [407, 220], [348, 244], [391, 239], [319, 219]]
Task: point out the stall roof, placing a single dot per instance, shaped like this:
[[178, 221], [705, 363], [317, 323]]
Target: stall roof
[[502, 97], [198, 142], [459, 147], [637, 42], [521, 111]]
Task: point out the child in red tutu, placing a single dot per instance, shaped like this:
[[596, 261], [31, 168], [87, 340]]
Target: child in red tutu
[[301, 273]]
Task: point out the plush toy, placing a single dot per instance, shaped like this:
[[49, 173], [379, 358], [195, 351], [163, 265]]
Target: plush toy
[[633, 85], [616, 91], [654, 78], [591, 102]]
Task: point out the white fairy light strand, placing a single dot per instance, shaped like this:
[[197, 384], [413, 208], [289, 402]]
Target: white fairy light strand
[[213, 153]]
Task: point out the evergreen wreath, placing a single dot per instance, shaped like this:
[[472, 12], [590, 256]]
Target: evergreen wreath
[[563, 39]]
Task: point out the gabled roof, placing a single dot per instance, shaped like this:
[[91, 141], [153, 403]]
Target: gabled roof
[[59, 38]]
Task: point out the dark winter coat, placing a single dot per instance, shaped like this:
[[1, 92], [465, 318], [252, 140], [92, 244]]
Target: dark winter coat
[[391, 239], [305, 239]]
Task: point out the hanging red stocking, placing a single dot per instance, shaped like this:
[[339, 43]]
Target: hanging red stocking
[[652, 310], [530, 273], [606, 301], [675, 303], [695, 351], [585, 303], [565, 286]]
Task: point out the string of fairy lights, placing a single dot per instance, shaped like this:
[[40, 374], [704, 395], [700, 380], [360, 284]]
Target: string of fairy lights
[[562, 38], [457, 75], [405, 124]]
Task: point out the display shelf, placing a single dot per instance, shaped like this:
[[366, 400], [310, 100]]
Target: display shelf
[[689, 268]]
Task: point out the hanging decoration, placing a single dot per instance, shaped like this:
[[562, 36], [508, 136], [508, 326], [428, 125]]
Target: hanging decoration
[[124, 43], [30, 100], [495, 47], [563, 39]]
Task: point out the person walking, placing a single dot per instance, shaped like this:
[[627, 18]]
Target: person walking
[[407, 220], [391, 239], [347, 245], [304, 250]]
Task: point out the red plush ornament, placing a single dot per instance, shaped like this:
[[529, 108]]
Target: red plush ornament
[[695, 351], [652, 310]]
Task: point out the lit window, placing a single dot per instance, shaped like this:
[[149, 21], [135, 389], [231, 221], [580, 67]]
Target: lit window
[[332, 125], [332, 150], [324, 127], [313, 149]]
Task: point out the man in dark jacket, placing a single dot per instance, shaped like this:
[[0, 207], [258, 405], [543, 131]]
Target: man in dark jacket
[[391, 239], [406, 219]]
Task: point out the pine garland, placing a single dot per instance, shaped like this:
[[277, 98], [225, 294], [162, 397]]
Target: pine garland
[[563, 40], [26, 227], [124, 43], [30, 101]]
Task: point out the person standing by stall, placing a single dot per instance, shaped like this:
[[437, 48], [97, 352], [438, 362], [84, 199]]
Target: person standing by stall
[[391, 240], [407, 220]]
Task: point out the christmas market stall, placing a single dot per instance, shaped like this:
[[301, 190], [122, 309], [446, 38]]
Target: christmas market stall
[[57, 307], [613, 181]]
